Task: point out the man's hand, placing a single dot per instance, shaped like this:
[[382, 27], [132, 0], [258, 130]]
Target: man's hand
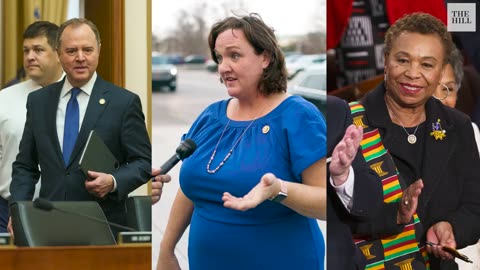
[[268, 186], [409, 202], [157, 184], [344, 153], [100, 185], [441, 233], [10, 227]]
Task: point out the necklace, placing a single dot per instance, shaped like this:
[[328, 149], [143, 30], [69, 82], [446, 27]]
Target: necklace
[[229, 152], [234, 145], [411, 138]]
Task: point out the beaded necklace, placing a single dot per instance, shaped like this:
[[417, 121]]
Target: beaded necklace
[[231, 150]]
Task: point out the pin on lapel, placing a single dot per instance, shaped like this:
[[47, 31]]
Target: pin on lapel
[[265, 129], [102, 101], [437, 131]]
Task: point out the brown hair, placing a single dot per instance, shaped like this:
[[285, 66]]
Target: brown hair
[[262, 39], [422, 23], [77, 22], [42, 28]]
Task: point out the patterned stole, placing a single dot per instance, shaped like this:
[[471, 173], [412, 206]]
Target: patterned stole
[[399, 251]]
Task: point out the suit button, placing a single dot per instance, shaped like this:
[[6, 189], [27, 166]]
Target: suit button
[[68, 174]]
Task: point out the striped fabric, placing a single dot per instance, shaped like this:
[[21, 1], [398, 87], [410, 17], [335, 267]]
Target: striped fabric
[[376, 266], [425, 256], [395, 251], [372, 146], [400, 244]]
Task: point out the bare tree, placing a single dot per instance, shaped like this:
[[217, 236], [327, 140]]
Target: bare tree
[[314, 42], [189, 34], [232, 7]]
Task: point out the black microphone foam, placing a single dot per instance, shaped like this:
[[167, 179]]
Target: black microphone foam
[[46, 205], [43, 204], [184, 150]]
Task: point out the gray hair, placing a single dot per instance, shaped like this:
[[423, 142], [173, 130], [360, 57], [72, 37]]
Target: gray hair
[[456, 61], [75, 22]]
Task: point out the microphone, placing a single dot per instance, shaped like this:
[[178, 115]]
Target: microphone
[[46, 205], [43, 204], [184, 150]]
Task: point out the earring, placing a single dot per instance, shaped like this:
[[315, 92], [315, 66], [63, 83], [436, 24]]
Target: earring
[[385, 76], [448, 92]]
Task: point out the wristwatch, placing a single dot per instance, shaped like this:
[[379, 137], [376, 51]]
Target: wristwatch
[[282, 194]]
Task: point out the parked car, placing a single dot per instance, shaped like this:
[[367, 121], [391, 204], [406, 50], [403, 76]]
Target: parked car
[[163, 72], [175, 59], [194, 59], [290, 57], [211, 66], [297, 64], [311, 84]]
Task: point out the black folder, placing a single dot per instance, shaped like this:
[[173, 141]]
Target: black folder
[[96, 156]]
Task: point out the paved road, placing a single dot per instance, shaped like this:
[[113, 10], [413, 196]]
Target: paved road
[[196, 89], [173, 113]]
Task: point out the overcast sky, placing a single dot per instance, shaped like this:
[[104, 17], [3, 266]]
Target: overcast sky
[[286, 17]]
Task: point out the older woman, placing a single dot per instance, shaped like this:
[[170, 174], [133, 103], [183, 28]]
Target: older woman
[[256, 183], [430, 144], [447, 90]]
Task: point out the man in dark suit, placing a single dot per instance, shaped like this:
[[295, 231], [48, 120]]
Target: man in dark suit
[[59, 119], [354, 192]]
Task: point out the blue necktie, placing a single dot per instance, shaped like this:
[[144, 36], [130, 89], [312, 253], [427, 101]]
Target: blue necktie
[[70, 131]]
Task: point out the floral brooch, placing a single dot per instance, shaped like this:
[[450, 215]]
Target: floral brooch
[[437, 131]]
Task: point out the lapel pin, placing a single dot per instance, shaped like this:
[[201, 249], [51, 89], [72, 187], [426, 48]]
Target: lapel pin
[[437, 131], [265, 129], [101, 101]]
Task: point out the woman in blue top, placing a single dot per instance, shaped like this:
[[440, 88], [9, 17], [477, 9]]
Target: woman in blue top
[[256, 183]]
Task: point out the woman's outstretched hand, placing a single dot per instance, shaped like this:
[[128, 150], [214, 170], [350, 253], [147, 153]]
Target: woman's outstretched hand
[[268, 187]]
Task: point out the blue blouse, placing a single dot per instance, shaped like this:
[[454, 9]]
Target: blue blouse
[[295, 140]]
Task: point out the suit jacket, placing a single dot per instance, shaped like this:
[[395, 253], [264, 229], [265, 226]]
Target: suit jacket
[[119, 122], [367, 196], [450, 171]]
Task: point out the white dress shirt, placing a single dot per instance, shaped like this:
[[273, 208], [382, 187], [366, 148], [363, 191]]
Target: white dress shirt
[[13, 114], [83, 98], [476, 132], [345, 190]]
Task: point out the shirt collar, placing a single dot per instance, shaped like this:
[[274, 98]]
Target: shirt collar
[[86, 88], [61, 77], [31, 84]]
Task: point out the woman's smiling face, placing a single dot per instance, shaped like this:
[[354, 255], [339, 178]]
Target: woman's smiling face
[[414, 68]]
